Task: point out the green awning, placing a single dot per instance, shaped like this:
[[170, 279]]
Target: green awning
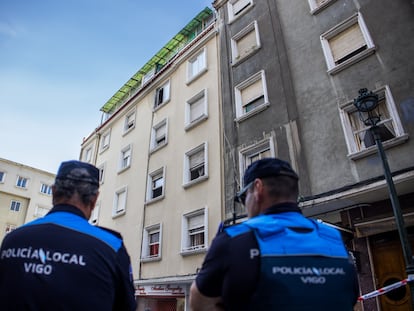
[[162, 57]]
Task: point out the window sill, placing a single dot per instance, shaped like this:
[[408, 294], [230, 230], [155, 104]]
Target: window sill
[[161, 105], [121, 170], [196, 122], [118, 214], [151, 259], [373, 149], [240, 60], [351, 61], [252, 113], [156, 148], [103, 149], [128, 130], [153, 200], [316, 10], [195, 77], [191, 183], [189, 252]]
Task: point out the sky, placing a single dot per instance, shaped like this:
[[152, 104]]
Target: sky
[[62, 60]]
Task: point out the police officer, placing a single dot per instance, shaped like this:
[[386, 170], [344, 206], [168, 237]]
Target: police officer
[[60, 261], [277, 259]]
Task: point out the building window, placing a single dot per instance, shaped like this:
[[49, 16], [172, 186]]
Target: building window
[[245, 42], [101, 169], [159, 135], [196, 109], [2, 176], [359, 139], [22, 182], [148, 76], [129, 123], [41, 211], [194, 232], [125, 161], [318, 5], [162, 94], [346, 43], [120, 201], [156, 184], [196, 165], [93, 220], [105, 139], [251, 96], [197, 65], [88, 155], [237, 8], [260, 150], [15, 206], [9, 228], [151, 248], [46, 189]]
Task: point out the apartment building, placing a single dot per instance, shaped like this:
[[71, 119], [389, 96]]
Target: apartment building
[[25, 194], [159, 155], [290, 72]]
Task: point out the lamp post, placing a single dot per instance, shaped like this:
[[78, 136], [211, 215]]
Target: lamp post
[[367, 105]]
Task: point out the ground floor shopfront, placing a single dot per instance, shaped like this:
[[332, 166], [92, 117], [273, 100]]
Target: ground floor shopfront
[[163, 295]]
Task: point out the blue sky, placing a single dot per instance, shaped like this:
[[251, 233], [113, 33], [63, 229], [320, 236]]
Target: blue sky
[[61, 60]]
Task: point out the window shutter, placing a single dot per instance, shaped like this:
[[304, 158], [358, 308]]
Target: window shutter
[[197, 159], [239, 5], [246, 43], [346, 42], [252, 92], [160, 132], [196, 109], [121, 201], [195, 222]]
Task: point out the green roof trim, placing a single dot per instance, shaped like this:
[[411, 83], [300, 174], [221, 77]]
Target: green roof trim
[[162, 57]]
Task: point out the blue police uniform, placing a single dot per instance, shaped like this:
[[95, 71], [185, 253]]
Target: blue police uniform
[[279, 260], [61, 262]]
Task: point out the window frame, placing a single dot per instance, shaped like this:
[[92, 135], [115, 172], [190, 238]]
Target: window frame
[[15, 206], [105, 136], [252, 150], [187, 181], [356, 18], [2, 177], [188, 104], [186, 248], [88, 154], [145, 252], [128, 124], [150, 195], [232, 16], [22, 182], [122, 167], [94, 219], [116, 212], [165, 85], [347, 108], [315, 8], [194, 76], [240, 115], [235, 53], [155, 128], [9, 228], [48, 188], [102, 169]]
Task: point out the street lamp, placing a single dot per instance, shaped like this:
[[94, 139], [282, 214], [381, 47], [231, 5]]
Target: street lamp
[[368, 108]]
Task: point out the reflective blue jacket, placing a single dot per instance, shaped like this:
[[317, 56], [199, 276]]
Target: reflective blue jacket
[[304, 264]]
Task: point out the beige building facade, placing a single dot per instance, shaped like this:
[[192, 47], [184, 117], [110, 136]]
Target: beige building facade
[[25, 194], [159, 152]]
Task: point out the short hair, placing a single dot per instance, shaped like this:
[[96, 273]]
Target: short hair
[[282, 187], [66, 188]]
